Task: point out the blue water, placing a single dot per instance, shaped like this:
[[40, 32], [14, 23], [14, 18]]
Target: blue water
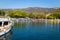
[[34, 31]]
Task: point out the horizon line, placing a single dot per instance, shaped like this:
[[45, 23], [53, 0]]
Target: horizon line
[[29, 7]]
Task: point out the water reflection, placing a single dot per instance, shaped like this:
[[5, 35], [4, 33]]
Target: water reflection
[[37, 31], [6, 36], [46, 26], [34, 31]]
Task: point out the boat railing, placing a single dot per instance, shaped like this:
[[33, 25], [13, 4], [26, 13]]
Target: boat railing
[[1, 27]]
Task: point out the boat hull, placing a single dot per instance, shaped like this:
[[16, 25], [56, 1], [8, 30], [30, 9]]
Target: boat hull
[[4, 31]]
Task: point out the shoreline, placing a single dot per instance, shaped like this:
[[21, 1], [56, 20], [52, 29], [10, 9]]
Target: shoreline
[[34, 20], [31, 19]]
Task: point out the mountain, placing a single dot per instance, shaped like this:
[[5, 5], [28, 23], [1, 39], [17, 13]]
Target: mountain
[[36, 9]]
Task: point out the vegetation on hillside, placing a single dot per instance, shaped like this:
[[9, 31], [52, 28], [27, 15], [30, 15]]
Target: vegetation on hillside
[[23, 14], [2, 13]]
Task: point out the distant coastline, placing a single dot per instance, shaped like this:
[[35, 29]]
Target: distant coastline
[[35, 20], [32, 12]]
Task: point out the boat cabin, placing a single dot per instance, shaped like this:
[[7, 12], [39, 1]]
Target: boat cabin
[[5, 25], [4, 22]]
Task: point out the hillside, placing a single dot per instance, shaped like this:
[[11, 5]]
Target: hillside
[[35, 9]]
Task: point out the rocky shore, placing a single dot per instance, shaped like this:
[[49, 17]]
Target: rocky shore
[[34, 20]]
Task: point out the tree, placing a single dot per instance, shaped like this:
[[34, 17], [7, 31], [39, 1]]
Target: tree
[[10, 13], [17, 14], [55, 15], [2, 13], [24, 14], [42, 15], [30, 15], [34, 15]]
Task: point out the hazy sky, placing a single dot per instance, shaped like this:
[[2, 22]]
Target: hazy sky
[[29, 3]]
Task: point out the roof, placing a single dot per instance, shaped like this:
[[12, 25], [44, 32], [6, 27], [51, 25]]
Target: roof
[[4, 19]]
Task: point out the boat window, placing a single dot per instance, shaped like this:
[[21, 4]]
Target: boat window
[[5, 23], [0, 23]]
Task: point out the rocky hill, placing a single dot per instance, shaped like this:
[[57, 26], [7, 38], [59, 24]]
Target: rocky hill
[[35, 9]]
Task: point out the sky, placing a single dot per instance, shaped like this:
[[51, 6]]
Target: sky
[[29, 3]]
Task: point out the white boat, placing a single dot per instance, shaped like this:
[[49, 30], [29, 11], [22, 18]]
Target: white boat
[[5, 25]]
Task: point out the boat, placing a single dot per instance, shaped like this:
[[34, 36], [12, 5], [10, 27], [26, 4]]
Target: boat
[[7, 36], [5, 25]]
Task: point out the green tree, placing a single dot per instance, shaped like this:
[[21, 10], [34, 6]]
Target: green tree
[[30, 15], [42, 15], [55, 15], [10, 13], [24, 14], [17, 14], [2, 13]]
